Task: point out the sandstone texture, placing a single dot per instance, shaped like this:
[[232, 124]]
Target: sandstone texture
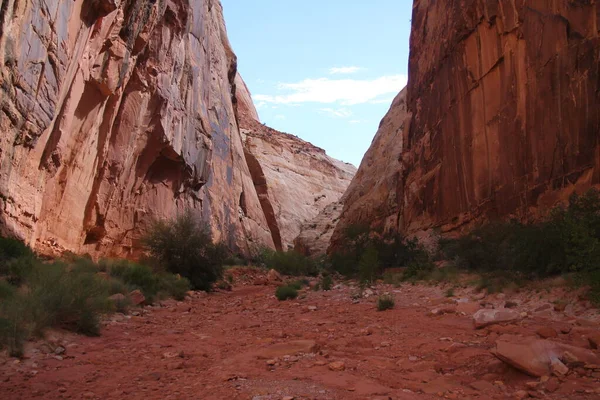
[[294, 179], [374, 196], [315, 234], [116, 112], [504, 116]]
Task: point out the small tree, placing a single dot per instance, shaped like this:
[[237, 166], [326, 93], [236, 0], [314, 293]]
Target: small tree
[[184, 246]]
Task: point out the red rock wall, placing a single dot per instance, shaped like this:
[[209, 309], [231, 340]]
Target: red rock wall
[[506, 103], [114, 112], [504, 98]]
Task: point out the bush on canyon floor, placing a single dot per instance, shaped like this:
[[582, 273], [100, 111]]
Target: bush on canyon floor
[[71, 293], [385, 302], [567, 241], [367, 257], [286, 293], [52, 294], [184, 246], [291, 263], [326, 282]]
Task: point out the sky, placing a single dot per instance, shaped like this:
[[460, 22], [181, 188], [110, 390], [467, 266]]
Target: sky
[[324, 70]]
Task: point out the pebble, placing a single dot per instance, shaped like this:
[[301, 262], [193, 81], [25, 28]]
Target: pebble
[[337, 366]]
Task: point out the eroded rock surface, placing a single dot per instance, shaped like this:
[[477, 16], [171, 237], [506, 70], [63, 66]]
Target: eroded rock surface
[[294, 179], [505, 116], [116, 112]]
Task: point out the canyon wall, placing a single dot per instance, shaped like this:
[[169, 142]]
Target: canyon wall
[[504, 104], [294, 179], [115, 112]]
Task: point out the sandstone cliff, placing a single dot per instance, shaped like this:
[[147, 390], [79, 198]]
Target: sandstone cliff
[[295, 180], [505, 114], [114, 112], [374, 196]]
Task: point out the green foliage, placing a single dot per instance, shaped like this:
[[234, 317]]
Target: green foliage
[[450, 292], [291, 263], [136, 276], [385, 302], [567, 241], [299, 283], [70, 294], [368, 257], [183, 246], [368, 266], [12, 249], [174, 286], [286, 293], [326, 282]]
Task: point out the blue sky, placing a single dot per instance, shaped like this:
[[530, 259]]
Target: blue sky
[[324, 70]]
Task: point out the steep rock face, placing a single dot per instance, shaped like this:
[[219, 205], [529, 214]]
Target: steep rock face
[[114, 112], [506, 109], [315, 234], [374, 196], [505, 105], [295, 180]]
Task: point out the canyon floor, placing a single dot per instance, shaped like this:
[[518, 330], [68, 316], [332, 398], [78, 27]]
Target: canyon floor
[[245, 344]]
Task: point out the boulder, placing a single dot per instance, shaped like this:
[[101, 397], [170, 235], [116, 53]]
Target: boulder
[[483, 318], [594, 340], [274, 276], [540, 357], [546, 332], [137, 297]]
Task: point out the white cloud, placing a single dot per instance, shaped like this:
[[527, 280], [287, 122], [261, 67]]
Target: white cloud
[[280, 116], [344, 91], [356, 121], [344, 70], [337, 112], [261, 104], [382, 101]]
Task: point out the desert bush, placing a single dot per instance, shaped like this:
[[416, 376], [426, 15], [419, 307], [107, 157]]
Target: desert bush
[[184, 246], [326, 282], [286, 293], [291, 263], [385, 302], [368, 265], [136, 276], [173, 285]]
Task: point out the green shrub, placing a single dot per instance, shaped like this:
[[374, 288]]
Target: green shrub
[[567, 241], [136, 276], [174, 286], [184, 247], [286, 293], [72, 300], [299, 283], [291, 263], [368, 265], [385, 302], [13, 248], [326, 282], [6, 290]]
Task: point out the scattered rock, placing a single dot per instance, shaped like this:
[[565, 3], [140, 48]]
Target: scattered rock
[[511, 304], [546, 333], [538, 357], [483, 386], [60, 350], [137, 297], [467, 308], [274, 276], [594, 340], [520, 395], [483, 318], [337, 366], [543, 308], [312, 308], [558, 368], [560, 306]]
